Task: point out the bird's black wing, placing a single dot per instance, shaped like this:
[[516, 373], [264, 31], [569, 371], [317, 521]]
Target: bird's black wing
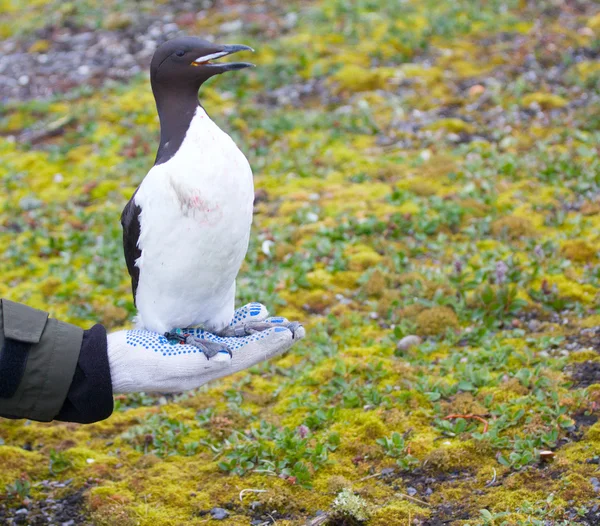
[[131, 232]]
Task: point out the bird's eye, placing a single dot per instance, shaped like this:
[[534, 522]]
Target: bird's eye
[[180, 53]]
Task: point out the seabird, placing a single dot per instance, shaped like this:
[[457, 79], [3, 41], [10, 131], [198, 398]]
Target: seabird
[[187, 226]]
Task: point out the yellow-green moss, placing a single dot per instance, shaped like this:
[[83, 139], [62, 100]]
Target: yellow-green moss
[[17, 462], [513, 227], [356, 78], [546, 101], [362, 257], [398, 513], [451, 125], [436, 321], [579, 250]]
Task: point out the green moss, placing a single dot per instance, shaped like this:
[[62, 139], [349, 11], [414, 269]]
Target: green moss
[[376, 284], [17, 462], [356, 78], [451, 125], [593, 433], [398, 513], [579, 250], [513, 227], [547, 101], [436, 321], [362, 257]]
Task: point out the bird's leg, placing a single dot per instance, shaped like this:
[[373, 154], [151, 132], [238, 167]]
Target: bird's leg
[[175, 336], [210, 348]]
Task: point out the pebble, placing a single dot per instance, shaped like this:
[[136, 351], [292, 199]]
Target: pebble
[[411, 491], [29, 203], [475, 91], [408, 341], [219, 514], [595, 483]]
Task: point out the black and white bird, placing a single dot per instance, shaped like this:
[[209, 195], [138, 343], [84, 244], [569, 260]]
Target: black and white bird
[[187, 226]]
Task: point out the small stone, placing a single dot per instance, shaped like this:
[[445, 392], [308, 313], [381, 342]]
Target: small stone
[[68, 523], [387, 471], [407, 342], [29, 203], [22, 511], [595, 483], [219, 514], [411, 491], [475, 91], [290, 20], [266, 246]]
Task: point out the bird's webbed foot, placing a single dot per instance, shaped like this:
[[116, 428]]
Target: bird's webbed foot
[[217, 350]]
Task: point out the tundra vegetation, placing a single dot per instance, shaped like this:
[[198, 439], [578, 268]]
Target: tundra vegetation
[[428, 203]]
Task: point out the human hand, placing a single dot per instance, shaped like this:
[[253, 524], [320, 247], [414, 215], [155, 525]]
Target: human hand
[[146, 361]]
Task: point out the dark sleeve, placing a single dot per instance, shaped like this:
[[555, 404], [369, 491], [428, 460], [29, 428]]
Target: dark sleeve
[[50, 369], [90, 395]]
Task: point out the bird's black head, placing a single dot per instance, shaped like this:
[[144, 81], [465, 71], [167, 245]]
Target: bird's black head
[[178, 69], [187, 62]]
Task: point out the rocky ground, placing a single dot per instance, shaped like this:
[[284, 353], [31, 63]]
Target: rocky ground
[[428, 202]]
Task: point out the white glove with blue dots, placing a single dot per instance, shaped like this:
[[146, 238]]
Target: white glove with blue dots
[[146, 361]]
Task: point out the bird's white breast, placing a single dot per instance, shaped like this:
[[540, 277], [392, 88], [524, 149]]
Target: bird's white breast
[[195, 225]]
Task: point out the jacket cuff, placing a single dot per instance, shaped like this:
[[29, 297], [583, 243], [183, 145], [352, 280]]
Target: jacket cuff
[[90, 396], [49, 353]]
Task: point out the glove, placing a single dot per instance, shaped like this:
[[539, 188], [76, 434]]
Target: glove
[[146, 361]]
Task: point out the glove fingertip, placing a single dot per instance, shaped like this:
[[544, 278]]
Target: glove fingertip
[[299, 333], [221, 356]]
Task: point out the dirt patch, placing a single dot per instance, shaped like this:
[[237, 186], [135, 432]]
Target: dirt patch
[[68, 511], [585, 339], [585, 374]]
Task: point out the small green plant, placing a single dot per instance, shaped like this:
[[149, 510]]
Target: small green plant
[[20, 488], [291, 454], [498, 304], [395, 446], [161, 435], [455, 427], [59, 462]]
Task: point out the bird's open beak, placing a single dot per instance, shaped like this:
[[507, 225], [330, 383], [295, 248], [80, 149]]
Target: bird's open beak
[[206, 60]]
